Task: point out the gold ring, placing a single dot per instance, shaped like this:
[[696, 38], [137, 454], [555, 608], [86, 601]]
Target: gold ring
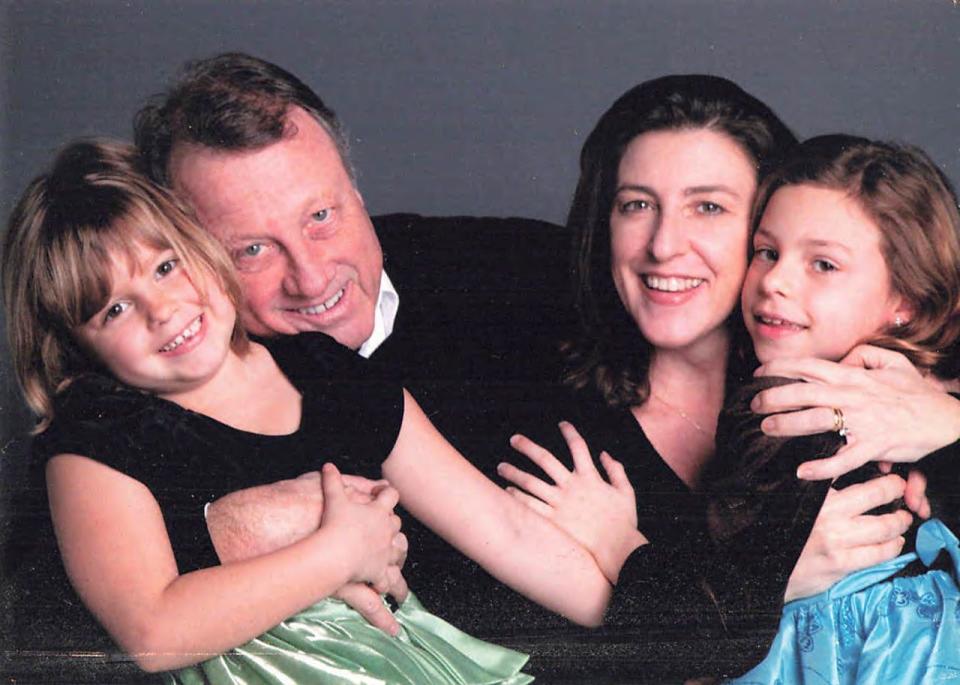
[[839, 424]]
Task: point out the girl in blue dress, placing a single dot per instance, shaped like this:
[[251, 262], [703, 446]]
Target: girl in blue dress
[[856, 241], [151, 401]]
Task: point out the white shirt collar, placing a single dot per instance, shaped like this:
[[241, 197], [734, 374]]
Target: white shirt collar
[[384, 316]]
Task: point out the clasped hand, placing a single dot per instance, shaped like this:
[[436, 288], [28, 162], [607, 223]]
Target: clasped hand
[[261, 519], [891, 412], [599, 514]]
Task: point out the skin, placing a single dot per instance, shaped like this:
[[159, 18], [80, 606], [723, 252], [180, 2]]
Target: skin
[[296, 228], [154, 305], [679, 222], [818, 283]]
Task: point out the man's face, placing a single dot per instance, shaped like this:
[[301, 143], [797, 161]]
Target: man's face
[[296, 228]]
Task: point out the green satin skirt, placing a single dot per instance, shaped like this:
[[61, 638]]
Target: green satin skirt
[[331, 643]]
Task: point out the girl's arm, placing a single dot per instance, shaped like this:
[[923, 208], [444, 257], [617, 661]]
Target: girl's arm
[[118, 556], [515, 544]]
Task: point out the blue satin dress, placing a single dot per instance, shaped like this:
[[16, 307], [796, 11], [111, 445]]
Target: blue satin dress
[[870, 629]]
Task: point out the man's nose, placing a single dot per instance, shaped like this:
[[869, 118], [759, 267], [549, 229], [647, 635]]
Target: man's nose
[[308, 271]]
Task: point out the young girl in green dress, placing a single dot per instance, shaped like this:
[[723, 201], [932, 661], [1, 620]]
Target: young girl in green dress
[[151, 401]]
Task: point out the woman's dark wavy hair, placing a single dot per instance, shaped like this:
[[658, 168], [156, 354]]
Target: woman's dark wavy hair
[[914, 207], [610, 354]]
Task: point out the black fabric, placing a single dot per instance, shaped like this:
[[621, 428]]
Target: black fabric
[[482, 311]]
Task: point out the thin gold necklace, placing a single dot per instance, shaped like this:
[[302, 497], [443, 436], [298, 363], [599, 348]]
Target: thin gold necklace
[[683, 415]]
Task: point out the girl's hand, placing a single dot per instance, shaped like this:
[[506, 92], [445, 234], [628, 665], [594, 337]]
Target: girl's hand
[[370, 538], [890, 411], [600, 515]]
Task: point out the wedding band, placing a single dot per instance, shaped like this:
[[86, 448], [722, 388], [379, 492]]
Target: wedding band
[[839, 424]]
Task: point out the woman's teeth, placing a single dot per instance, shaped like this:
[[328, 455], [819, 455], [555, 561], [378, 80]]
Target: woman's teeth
[[671, 284], [186, 334]]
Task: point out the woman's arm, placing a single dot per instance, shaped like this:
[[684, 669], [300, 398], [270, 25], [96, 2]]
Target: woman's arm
[[892, 412], [118, 556], [516, 545]]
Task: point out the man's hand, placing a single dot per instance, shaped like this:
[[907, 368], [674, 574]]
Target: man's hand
[[845, 538]]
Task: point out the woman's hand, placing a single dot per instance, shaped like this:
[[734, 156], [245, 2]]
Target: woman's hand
[[600, 515], [845, 538], [890, 411], [369, 532]]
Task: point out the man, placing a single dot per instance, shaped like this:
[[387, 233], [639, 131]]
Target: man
[[264, 164]]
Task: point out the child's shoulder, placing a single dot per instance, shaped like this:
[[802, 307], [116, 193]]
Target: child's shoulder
[[95, 415]]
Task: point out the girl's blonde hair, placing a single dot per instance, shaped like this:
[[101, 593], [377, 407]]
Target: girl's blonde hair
[[70, 224], [914, 207]]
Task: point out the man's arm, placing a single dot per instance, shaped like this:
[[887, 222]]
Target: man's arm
[[261, 519]]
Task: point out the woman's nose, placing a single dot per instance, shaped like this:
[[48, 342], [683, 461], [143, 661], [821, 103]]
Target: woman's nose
[[669, 236]]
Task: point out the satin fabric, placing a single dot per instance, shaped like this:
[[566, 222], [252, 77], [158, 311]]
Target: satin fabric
[[331, 643], [870, 629]]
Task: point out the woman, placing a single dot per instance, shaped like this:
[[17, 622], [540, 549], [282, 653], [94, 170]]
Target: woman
[[660, 222]]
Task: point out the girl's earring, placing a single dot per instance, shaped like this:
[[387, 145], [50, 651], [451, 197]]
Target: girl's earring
[[898, 322]]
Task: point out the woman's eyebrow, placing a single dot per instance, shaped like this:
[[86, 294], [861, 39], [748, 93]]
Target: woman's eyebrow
[[718, 188], [635, 187]]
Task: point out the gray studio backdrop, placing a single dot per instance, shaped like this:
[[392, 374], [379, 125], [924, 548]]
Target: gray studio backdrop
[[477, 107]]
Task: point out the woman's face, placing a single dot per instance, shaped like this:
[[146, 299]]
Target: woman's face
[[679, 227]]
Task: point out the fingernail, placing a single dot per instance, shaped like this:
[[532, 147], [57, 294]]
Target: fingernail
[[500, 467], [803, 473], [514, 438]]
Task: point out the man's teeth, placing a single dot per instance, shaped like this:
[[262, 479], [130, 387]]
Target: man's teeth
[[321, 308], [671, 284], [186, 334]]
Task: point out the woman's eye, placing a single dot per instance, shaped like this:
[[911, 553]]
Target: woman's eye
[[765, 254], [114, 310], [252, 250], [710, 208], [823, 266], [635, 206]]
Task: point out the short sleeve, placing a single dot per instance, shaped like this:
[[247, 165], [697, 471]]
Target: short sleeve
[[352, 411]]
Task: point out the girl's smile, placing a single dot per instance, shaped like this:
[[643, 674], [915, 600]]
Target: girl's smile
[[156, 331], [818, 283]]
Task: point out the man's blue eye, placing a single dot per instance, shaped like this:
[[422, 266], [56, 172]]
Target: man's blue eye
[[321, 215]]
